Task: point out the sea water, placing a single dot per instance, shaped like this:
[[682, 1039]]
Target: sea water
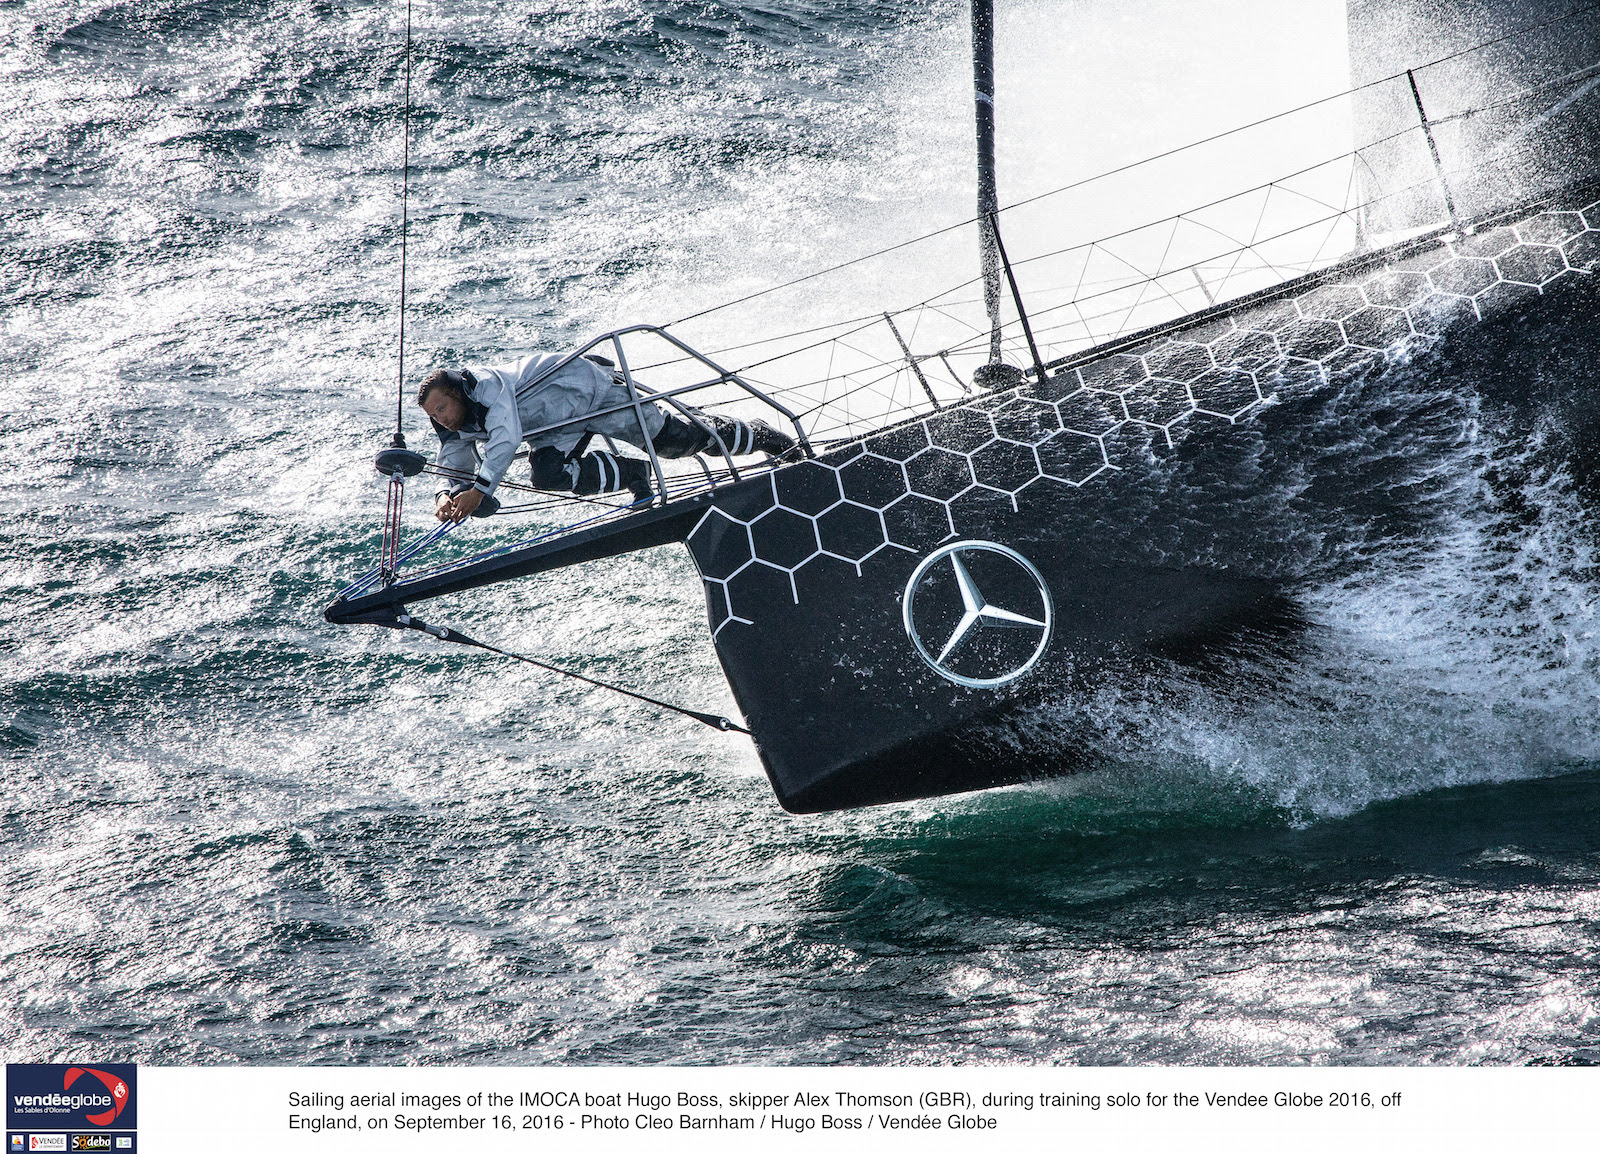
[[233, 833]]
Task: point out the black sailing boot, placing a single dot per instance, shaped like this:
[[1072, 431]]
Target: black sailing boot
[[636, 475], [743, 437], [683, 438], [603, 472]]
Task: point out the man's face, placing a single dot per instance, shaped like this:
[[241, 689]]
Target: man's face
[[445, 408]]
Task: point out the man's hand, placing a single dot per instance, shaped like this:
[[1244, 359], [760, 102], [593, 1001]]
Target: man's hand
[[459, 507]]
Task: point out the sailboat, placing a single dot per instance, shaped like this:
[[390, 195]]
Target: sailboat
[[1086, 465]]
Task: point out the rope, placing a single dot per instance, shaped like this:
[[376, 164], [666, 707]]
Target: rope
[[715, 721]]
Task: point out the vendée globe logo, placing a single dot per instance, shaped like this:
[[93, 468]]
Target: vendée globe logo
[[115, 1087], [59, 1097]]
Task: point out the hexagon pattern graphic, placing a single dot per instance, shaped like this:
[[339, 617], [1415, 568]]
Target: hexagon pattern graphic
[[908, 488]]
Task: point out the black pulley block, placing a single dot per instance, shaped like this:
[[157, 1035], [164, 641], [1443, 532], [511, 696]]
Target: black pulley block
[[406, 461]]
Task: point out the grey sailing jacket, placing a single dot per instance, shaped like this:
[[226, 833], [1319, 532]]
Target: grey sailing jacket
[[499, 418]]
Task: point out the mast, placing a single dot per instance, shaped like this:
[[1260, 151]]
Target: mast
[[988, 198]]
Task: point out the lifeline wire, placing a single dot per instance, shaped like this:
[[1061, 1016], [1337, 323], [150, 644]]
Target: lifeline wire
[[1583, 11], [405, 180]]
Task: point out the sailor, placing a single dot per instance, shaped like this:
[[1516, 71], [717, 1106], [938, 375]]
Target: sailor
[[480, 415]]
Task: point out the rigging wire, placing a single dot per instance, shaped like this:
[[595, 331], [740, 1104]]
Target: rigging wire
[[405, 191], [854, 325], [1585, 10], [398, 462], [443, 633], [1336, 213]]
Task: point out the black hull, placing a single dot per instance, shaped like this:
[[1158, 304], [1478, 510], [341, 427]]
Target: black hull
[[1177, 496]]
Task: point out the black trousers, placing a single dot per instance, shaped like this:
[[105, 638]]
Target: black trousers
[[588, 473]]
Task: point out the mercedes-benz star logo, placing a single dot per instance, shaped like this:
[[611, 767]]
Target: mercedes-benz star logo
[[1025, 591]]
